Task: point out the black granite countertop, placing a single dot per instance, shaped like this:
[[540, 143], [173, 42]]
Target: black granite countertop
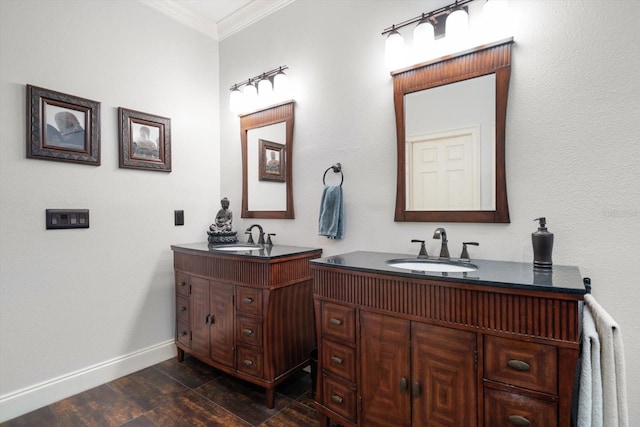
[[514, 275], [261, 251]]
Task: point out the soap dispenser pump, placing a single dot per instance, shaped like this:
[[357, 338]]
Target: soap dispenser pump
[[542, 245]]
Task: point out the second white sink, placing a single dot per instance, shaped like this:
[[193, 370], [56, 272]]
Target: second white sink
[[436, 266]]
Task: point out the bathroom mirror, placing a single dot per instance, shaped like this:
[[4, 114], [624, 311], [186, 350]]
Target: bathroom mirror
[[450, 125], [267, 143]]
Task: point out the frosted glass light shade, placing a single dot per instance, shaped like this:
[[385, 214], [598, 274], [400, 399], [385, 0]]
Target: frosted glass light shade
[[495, 19], [457, 24], [281, 86], [235, 101], [265, 91], [423, 40], [394, 50], [250, 93]]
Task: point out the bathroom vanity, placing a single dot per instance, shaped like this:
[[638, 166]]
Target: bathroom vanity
[[496, 346], [247, 312]]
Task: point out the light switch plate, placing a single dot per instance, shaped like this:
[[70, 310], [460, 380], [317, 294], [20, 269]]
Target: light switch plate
[[67, 218], [178, 217]]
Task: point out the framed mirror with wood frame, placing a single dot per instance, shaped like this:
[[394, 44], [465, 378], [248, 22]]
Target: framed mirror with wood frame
[[267, 190], [491, 62]]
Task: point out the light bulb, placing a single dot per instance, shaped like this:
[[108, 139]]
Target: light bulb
[[235, 100], [394, 50]]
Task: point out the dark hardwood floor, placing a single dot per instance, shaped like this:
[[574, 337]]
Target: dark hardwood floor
[[171, 393]]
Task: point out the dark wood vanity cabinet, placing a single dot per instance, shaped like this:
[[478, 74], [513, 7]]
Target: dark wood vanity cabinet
[[249, 316], [399, 351]]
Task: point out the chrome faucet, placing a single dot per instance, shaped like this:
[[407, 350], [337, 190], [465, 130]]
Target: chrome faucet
[[260, 239], [440, 233]]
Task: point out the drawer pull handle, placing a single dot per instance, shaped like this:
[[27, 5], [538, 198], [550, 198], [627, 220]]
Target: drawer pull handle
[[248, 362], [336, 359], [335, 321], [519, 421], [337, 399], [519, 365], [183, 308], [247, 300], [404, 385], [183, 284], [184, 333], [247, 332]]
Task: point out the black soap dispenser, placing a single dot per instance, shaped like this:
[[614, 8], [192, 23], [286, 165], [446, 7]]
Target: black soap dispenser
[[542, 245]]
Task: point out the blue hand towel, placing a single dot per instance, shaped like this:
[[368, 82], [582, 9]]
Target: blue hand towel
[[331, 221]]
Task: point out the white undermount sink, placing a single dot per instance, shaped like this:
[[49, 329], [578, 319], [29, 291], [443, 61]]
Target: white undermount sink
[[432, 265], [235, 247]]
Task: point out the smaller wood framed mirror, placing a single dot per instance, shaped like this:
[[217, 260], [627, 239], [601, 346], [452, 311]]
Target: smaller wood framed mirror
[[266, 137]]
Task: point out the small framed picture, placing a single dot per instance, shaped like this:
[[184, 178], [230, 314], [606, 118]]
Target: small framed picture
[[62, 127], [145, 141], [272, 161]]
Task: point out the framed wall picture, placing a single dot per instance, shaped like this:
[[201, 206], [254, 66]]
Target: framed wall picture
[[272, 161], [145, 141], [62, 127]]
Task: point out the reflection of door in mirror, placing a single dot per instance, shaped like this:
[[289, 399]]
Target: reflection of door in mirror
[[264, 195], [450, 146]]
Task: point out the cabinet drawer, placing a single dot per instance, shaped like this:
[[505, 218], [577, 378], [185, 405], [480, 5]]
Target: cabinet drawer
[[249, 331], [182, 309], [339, 396], [249, 361], [182, 284], [510, 409], [523, 364], [249, 300], [339, 322], [339, 359], [183, 333]]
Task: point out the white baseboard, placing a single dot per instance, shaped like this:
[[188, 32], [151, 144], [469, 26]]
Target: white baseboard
[[31, 398]]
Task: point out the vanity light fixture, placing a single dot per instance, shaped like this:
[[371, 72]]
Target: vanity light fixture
[[445, 31], [260, 91]]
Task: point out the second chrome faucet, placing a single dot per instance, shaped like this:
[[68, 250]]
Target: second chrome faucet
[[441, 234]]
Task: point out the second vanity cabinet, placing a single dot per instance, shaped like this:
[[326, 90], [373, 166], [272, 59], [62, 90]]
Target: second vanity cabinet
[[495, 347], [247, 313]]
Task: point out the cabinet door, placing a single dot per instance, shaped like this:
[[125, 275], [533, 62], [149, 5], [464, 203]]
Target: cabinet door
[[444, 376], [222, 329], [199, 308], [385, 370]]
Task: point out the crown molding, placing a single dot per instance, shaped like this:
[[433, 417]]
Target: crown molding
[[241, 18], [247, 15]]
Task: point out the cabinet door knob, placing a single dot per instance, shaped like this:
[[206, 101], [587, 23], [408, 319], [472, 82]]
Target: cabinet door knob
[[247, 331], [183, 308], [183, 284], [518, 365], [519, 421], [415, 389], [404, 385], [335, 321], [337, 399], [248, 362], [336, 359], [247, 300], [184, 333]]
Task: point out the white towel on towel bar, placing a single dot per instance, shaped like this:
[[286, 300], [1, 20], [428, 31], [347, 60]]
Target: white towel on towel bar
[[590, 396], [614, 387]]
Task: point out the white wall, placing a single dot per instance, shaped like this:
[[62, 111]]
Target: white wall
[[572, 137], [80, 307]]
